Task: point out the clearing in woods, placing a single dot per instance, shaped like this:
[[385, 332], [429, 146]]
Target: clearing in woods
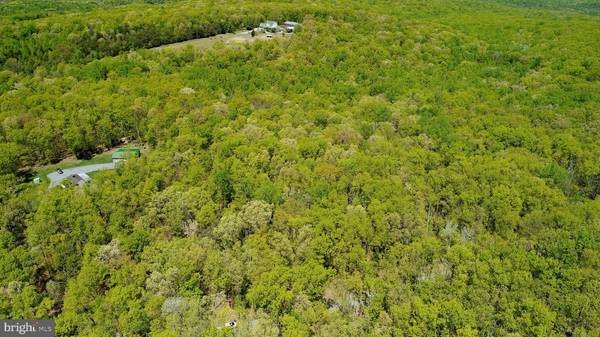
[[229, 38]]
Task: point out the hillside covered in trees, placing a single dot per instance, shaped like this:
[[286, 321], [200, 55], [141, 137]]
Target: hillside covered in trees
[[394, 168], [586, 6]]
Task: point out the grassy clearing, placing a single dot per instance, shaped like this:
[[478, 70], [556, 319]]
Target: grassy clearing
[[227, 39], [43, 171]]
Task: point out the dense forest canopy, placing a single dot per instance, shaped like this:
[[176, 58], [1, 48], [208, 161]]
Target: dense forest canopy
[[393, 168], [34, 9], [586, 6]]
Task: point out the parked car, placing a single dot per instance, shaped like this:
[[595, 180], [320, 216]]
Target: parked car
[[60, 171]]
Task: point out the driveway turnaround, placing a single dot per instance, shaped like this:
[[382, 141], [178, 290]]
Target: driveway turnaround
[[56, 177]]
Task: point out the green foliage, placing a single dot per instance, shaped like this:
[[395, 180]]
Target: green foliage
[[390, 169], [33, 9], [50, 42], [586, 6]]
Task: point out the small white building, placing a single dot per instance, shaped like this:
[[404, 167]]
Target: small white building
[[290, 26], [269, 26]]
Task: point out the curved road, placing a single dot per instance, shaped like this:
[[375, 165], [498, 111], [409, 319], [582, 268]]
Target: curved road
[[56, 177]]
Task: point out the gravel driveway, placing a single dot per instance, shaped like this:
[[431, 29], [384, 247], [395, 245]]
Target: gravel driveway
[[56, 177]]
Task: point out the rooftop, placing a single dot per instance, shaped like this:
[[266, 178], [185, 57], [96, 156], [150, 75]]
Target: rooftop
[[79, 178], [269, 24]]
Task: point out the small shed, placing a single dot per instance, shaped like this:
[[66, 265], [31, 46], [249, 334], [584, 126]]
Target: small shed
[[79, 178], [125, 153]]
